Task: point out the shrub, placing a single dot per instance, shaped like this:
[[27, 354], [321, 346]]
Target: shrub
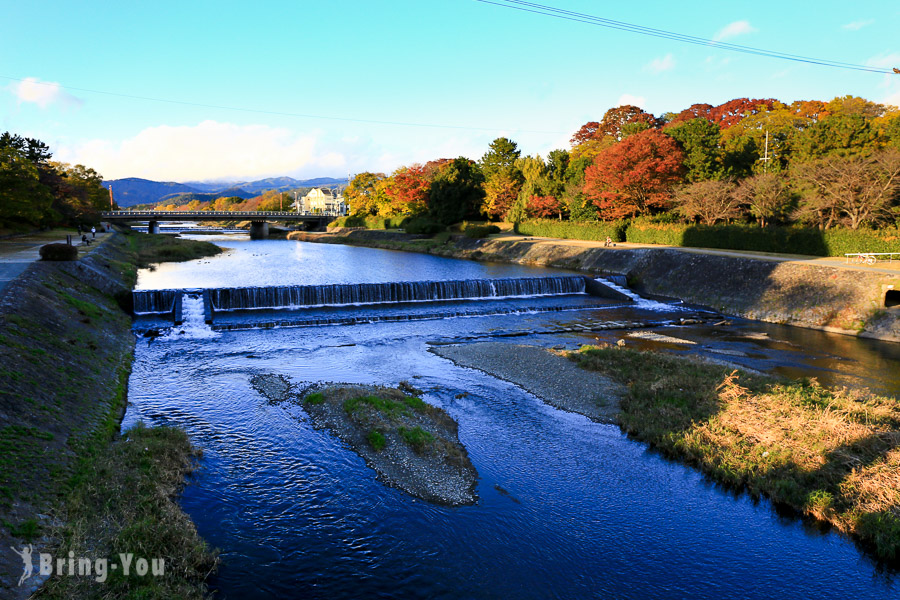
[[58, 251], [480, 231], [376, 440], [421, 225], [417, 438], [574, 230]]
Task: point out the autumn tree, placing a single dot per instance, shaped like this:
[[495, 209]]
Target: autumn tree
[[732, 112], [636, 176], [79, 193], [767, 195], [708, 201], [545, 207], [363, 195], [501, 192], [618, 123], [407, 190]]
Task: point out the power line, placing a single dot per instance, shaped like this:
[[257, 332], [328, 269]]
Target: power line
[[549, 11], [277, 113]]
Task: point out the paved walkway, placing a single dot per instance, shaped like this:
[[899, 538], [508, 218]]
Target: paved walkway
[[16, 253], [892, 267]]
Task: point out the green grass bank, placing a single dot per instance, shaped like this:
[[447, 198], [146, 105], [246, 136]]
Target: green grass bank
[[68, 481], [831, 454]]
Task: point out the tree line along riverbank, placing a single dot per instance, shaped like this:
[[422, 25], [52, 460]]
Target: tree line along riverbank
[[70, 481]]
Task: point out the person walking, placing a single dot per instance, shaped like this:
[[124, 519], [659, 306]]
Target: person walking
[[93, 232]]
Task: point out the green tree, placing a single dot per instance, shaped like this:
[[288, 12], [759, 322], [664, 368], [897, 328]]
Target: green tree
[[837, 135], [23, 198], [456, 192], [502, 153], [700, 141]]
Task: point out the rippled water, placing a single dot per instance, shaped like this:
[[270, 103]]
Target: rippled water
[[568, 508]]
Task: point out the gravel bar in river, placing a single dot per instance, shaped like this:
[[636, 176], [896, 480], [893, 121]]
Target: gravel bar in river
[[554, 379]]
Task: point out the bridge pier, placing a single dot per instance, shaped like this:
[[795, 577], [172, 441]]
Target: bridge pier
[[153, 227], [259, 230]]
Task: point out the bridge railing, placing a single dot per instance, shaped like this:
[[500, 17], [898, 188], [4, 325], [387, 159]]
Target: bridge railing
[[158, 215]]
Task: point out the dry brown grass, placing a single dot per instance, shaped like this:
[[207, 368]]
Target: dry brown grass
[[830, 453]]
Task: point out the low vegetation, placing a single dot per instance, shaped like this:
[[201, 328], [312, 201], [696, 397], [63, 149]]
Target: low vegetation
[[152, 249], [66, 350], [833, 454], [133, 482]]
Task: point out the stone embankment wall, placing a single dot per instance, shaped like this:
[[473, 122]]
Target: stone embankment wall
[[850, 301]]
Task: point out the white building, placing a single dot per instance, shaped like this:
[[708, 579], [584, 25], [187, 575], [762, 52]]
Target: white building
[[323, 201]]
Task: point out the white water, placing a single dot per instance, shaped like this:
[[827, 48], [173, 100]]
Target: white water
[[644, 303], [194, 326]]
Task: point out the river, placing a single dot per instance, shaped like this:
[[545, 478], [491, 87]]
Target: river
[[568, 508]]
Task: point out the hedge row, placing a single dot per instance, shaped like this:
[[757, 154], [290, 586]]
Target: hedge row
[[574, 230], [782, 240], [367, 222]]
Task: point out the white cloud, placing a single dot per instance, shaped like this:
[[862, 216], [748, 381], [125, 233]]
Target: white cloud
[[857, 25], [43, 93], [638, 101], [884, 60], [892, 99], [209, 150], [660, 65], [733, 30]]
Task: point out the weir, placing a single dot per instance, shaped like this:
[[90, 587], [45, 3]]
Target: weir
[[300, 296]]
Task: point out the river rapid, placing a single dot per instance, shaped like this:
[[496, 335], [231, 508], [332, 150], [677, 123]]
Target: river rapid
[[568, 508]]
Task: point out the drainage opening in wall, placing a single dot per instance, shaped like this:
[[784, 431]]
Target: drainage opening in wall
[[892, 298]]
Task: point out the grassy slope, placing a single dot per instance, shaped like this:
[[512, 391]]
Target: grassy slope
[[65, 350], [830, 454]]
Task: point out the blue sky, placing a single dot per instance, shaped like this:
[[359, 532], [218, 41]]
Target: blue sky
[[81, 76]]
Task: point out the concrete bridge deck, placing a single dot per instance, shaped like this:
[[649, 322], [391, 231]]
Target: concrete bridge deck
[[259, 220]]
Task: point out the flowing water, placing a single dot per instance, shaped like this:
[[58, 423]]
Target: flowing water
[[568, 508]]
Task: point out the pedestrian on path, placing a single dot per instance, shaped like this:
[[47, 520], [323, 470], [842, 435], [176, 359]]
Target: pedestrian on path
[[93, 232]]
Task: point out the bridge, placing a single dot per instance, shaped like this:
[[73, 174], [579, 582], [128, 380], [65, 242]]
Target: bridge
[[259, 220]]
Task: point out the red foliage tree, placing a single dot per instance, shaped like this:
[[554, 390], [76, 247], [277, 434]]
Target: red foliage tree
[[635, 176], [692, 112], [615, 124], [731, 112], [545, 207], [407, 190]]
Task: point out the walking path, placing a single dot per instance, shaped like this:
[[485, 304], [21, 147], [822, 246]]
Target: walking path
[[16, 253], [892, 268]]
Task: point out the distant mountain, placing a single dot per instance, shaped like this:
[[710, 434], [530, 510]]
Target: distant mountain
[[133, 190], [184, 198]]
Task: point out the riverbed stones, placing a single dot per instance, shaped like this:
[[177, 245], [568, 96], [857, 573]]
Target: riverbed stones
[[549, 376]]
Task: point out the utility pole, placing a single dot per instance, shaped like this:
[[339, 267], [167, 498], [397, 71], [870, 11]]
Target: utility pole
[[111, 204], [766, 158]]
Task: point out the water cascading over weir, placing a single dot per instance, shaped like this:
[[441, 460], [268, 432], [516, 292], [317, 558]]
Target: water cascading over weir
[[298, 297]]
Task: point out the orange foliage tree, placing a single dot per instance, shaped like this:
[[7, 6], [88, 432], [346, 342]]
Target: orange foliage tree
[[636, 176]]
